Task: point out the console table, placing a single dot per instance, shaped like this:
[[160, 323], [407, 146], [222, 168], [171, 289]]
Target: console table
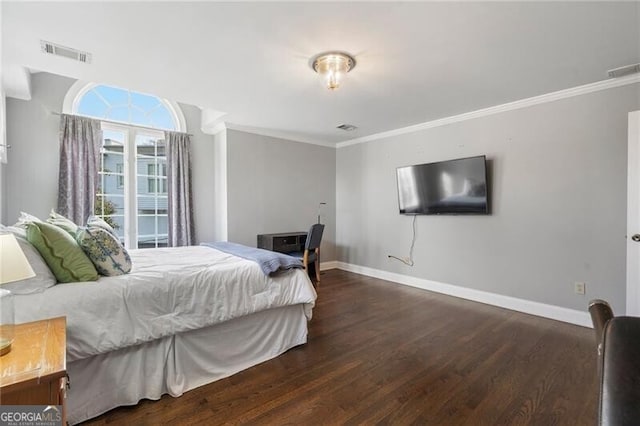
[[284, 242]]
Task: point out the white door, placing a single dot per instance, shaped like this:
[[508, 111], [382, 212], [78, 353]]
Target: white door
[[633, 216]]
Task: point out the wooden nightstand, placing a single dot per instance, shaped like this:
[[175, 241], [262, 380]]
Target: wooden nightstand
[[35, 371]]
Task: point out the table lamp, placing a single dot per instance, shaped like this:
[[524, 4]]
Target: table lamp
[[14, 266]]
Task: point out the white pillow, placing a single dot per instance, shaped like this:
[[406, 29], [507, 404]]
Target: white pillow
[[24, 219], [17, 232], [62, 222], [44, 277], [93, 221]]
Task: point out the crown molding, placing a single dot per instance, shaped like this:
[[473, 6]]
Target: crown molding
[[511, 106], [16, 82], [215, 129]]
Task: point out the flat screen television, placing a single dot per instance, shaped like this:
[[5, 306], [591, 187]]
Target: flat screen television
[[446, 187]]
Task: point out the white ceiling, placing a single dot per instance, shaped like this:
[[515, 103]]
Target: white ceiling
[[416, 61]]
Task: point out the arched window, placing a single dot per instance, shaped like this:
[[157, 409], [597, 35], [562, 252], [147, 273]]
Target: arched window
[[132, 196], [125, 106]]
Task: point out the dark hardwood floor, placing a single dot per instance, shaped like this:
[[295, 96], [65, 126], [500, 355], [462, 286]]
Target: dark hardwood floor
[[380, 352]]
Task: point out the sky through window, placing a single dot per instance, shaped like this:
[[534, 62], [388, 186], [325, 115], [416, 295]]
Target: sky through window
[[125, 106]]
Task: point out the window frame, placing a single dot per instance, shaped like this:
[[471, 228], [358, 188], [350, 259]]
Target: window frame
[[131, 176], [80, 88], [70, 106]]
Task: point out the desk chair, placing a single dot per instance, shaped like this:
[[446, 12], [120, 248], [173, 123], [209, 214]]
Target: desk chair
[[311, 251]]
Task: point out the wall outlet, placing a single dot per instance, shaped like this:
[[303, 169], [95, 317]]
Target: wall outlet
[[579, 287]]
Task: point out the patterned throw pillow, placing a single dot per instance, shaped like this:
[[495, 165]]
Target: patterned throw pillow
[[93, 221], [62, 222], [105, 251], [65, 258]]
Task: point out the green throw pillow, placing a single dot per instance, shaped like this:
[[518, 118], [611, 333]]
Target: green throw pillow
[[62, 222], [65, 258]]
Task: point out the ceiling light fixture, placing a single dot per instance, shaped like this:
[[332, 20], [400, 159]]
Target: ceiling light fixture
[[332, 67]]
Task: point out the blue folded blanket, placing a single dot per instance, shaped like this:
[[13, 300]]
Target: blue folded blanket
[[269, 261]]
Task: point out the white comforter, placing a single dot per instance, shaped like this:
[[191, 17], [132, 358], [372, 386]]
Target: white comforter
[[169, 291]]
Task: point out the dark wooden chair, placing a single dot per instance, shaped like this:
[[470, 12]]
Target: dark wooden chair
[[311, 253]]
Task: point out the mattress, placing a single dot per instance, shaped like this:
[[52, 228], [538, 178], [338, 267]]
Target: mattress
[[169, 291]]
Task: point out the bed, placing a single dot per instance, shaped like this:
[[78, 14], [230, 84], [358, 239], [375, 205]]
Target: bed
[[182, 318]]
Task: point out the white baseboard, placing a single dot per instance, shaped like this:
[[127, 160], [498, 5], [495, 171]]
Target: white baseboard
[[329, 265], [558, 313]]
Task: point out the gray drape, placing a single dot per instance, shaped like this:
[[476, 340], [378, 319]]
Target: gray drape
[[78, 180], [181, 229]]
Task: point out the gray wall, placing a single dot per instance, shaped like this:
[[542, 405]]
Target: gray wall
[[2, 193], [202, 175], [275, 185], [3, 120], [558, 187], [219, 218], [31, 174]]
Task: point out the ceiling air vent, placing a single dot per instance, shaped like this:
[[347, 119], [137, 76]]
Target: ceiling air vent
[[622, 71], [65, 52], [347, 127]]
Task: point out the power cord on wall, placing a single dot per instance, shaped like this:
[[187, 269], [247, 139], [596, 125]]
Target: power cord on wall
[[408, 260]]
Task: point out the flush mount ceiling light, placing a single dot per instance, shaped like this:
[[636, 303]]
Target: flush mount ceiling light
[[332, 67]]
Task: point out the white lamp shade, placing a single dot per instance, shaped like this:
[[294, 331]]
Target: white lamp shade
[[14, 266]]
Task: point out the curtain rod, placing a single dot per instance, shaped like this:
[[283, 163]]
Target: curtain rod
[[123, 124]]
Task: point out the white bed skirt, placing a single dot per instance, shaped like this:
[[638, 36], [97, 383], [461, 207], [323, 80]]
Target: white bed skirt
[[176, 364]]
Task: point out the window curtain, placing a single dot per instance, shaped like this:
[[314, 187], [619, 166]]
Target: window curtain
[[181, 229], [78, 180]]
